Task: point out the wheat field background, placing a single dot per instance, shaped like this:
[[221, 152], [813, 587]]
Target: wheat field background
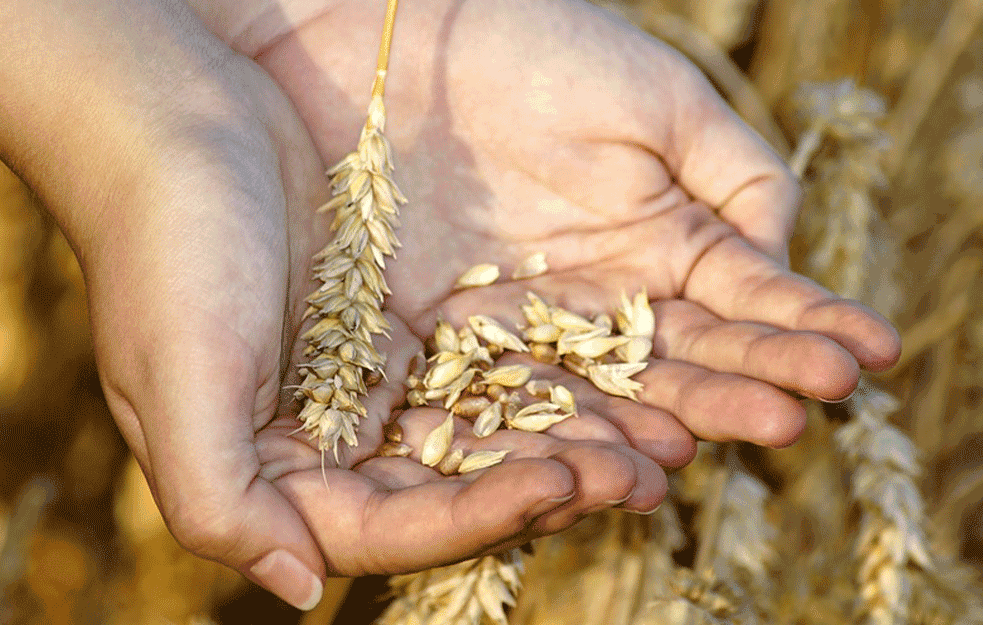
[[875, 516]]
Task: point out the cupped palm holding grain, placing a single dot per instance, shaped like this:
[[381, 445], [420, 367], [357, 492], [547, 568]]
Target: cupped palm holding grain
[[518, 127]]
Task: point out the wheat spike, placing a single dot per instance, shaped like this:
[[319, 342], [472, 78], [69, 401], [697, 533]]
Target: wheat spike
[[472, 592], [347, 308], [849, 241], [892, 543]]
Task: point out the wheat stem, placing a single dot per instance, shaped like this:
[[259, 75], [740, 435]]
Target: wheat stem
[[807, 147], [382, 66], [929, 76], [711, 519]]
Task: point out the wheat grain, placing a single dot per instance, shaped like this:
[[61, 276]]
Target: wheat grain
[[479, 275], [394, 450], [438, 442], [508, 375], [450, 463], [481, 460], [493, 332], [531, 266], [615, 379], [489, 420], [471, 407]]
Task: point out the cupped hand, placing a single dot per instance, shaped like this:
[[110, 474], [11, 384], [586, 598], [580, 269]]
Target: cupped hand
[[553, 127]]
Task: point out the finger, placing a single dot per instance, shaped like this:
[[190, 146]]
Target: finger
[[367, 528], [735, 281], [651, 486], [720, 160], [654, 432], [197, 419], [808, 363], [722, 406], [605, 478]]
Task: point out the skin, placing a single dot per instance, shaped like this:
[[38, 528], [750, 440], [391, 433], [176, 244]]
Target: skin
[[184, 169]]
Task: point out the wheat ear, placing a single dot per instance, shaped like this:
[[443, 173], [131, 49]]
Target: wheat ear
[[347, 308], [891, 542], [468, 593], [844, 146]]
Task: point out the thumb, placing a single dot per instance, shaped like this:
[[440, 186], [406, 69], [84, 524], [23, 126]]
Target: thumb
[[189, 416]]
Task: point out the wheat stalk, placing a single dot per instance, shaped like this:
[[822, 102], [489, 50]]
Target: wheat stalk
[[902, 580], [730, 578], [347, 308], [736, 535]]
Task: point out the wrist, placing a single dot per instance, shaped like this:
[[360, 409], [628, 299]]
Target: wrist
[[88, 94]]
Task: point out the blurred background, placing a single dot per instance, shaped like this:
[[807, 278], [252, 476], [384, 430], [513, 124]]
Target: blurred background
[[878, 103]]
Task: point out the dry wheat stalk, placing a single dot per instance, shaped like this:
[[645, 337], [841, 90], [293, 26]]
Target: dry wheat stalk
[[902, 580], [347, 308], [602, 571], [731, 576], [744, 550], [682, 596], [702, 598]]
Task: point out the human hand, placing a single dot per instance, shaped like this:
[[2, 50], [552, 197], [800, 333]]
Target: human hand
[[549, 126], [186, 184]]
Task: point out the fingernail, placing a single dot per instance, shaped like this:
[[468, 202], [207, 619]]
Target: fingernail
[[646, 512], [614, 502], [284, 575], [549, 504]]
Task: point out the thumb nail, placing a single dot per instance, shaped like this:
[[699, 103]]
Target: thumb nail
[[284, 575]]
